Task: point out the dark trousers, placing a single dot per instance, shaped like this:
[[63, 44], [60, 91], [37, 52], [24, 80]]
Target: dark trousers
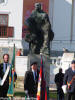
[[60, 97], [32, 95], [3, 93], [60, 94], [4, 90], [70, 96]]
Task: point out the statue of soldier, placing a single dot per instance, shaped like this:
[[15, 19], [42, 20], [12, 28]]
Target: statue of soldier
[[40, 31]]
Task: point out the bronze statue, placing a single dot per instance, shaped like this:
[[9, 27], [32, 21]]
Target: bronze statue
[[40, 31]]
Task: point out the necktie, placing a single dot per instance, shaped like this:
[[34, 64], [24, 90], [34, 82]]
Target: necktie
[[35, 76], [6, 66]]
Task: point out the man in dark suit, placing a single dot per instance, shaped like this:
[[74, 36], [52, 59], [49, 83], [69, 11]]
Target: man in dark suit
[[3, 67], [59, 82], [31, 80], [69, 80]]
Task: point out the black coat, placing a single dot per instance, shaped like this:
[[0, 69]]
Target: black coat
[[30, 84], [4, 88], [67, 78], [59, 82], [59, 79]]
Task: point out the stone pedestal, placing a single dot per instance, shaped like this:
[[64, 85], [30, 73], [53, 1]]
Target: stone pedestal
[[46, 65], [21, 63]]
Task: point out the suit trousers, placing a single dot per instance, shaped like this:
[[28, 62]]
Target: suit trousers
[[70, 96], [60, 94]]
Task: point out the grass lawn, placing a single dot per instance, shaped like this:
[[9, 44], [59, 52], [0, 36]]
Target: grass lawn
[[22, 94], [53, 95]]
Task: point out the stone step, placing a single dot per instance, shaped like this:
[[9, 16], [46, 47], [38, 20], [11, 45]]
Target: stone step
[[19, 86]]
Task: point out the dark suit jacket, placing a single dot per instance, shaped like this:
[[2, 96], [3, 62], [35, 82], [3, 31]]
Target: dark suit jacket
[[67, 78], [30, 84], [4, 88]]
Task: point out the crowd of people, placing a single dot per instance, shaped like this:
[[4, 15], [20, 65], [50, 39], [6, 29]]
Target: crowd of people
[[31, 80], [68, 80]]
